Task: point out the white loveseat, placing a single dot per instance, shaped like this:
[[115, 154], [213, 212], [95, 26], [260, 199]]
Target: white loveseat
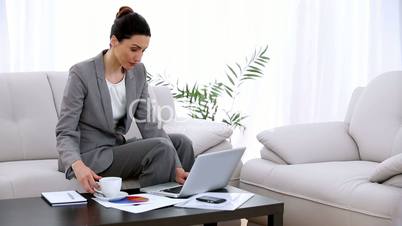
[[337, 173], [28, 115]]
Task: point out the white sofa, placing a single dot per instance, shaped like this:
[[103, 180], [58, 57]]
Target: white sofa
[[337, 173], [28, 115]]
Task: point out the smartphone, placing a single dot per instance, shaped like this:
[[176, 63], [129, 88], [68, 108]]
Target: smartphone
[[210, 199]]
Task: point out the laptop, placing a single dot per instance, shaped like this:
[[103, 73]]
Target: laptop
[[210, 171]]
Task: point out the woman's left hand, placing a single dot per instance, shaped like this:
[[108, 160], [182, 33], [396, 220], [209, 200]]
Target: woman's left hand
[[181, 175]]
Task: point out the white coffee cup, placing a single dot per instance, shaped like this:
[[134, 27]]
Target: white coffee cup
[[110, 186]]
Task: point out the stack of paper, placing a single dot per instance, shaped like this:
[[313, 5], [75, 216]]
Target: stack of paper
[[64, 198], [153, 202]]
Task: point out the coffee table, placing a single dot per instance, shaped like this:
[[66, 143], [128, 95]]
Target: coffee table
[[36, 212]]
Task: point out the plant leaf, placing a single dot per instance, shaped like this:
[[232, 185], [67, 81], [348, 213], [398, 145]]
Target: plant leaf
[[230, 79]]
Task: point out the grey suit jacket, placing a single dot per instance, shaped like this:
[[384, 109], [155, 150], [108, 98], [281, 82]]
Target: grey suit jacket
[[85, 130]]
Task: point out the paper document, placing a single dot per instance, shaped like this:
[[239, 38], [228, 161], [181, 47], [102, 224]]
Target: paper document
[[233, 201], [153, 202]]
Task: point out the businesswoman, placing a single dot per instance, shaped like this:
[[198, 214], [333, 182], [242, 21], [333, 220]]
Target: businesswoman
[[99, 96]]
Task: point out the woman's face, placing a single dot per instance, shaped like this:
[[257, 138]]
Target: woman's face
[[129, 51]]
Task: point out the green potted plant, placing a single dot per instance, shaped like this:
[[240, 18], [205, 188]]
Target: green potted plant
[[203, 101]]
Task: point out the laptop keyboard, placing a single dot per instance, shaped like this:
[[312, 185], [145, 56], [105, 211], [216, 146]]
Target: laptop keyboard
[[174, 190]]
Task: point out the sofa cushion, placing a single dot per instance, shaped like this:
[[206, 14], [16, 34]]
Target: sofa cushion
[[339, 184], [37, 175], [6, 188], [204, 134], [377, 117], [387, 169], [30, 178], [27, 117], [57, 81]]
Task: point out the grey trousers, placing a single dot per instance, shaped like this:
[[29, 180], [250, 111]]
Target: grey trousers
[[152, 160]]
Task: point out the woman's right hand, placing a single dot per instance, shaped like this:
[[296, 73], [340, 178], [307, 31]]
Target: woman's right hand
[[85, 176]]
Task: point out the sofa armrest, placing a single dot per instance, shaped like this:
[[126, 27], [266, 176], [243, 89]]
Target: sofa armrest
[[387, 169], [271, 156], [395, 181], [308, 143], [203, 133]]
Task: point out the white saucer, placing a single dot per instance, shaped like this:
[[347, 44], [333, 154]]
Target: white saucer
[[121, 195]]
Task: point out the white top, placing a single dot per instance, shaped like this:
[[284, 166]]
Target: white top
[[118, 98]]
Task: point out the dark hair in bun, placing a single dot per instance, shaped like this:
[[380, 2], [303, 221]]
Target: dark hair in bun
[[129, 23], [124, 10]]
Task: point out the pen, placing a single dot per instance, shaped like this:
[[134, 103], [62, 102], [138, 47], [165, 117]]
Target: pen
[[70, 195]]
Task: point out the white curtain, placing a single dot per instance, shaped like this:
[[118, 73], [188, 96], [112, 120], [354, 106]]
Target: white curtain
[[4, 42], [320, 50], [27, 28]]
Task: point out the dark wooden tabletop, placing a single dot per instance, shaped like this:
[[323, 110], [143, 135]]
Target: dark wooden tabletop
[[37, 212]]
